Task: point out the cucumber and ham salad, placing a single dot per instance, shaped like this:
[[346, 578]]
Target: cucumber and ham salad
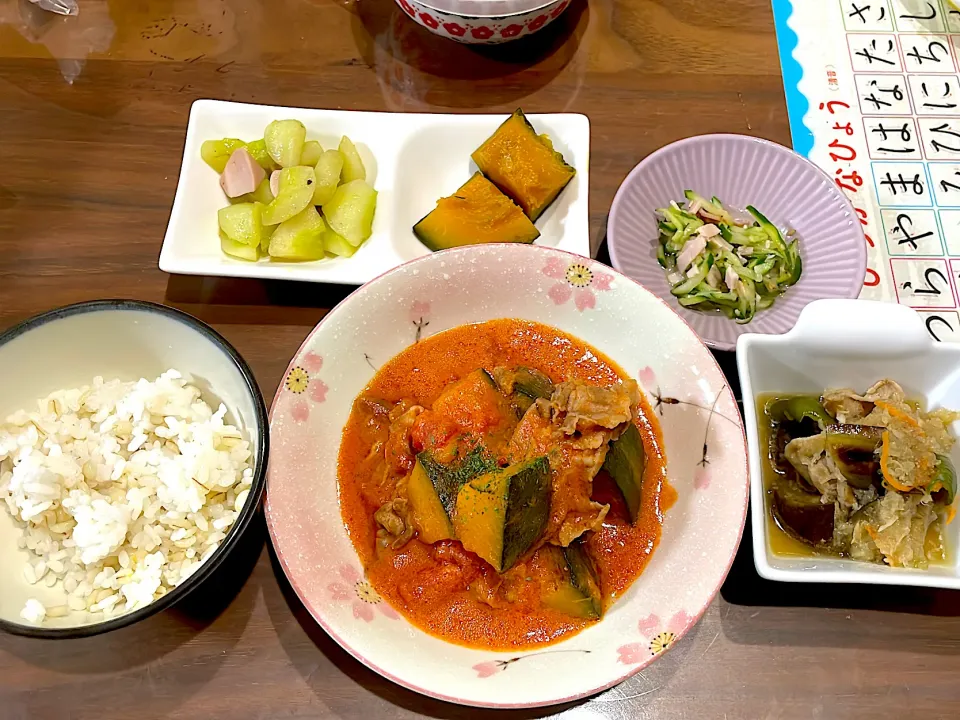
[[291, 200], [717, 263]]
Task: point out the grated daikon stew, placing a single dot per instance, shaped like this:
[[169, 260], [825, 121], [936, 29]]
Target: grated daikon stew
[[867, 476]]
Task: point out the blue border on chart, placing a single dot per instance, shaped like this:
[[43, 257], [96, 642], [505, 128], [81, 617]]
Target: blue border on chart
[[797, 103]]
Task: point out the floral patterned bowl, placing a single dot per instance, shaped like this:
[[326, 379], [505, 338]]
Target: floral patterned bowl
[[703, 437], [477, 23]]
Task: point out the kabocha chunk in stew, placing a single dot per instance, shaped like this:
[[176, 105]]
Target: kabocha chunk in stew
[[503, 483], [862, 476]]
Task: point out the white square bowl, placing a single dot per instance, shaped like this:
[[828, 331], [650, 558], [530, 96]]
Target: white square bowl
[[412, 159], [845, 343]]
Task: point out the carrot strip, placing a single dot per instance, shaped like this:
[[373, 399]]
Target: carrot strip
[[897, 413], [884, 459], [951, 514]]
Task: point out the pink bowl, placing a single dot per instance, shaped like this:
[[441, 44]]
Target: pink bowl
[[473, 23], [740, 170]]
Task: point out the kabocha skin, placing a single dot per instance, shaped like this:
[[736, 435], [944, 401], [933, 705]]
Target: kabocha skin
[[520, 176], [477, 213], [524, 165]]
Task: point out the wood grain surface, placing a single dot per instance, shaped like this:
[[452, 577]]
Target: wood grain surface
[[92, 117]]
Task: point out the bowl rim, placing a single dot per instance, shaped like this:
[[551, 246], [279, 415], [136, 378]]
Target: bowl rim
[[431, 5], [631, 671], [249, 511], [848, 292]]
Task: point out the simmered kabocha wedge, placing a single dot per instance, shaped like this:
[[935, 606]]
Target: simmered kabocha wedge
[[575, 590], [501, 514], [477, 213], [448, 478], [429, 515], [625, 463], [524, 165]]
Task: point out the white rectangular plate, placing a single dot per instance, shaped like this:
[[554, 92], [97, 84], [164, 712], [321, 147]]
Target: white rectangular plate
[[412, 159]]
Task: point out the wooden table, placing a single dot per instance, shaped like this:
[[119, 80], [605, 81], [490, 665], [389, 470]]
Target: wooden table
[[92, 118]]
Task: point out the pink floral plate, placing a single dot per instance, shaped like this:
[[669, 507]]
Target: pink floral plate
[[703, 437]]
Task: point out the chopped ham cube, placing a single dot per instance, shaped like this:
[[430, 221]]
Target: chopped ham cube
[[718, 242], [709, 230], [693, 247], [714, 278], [242, 174], [275, 182], [730, 277]]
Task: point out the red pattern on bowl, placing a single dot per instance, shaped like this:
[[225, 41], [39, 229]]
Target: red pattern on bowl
[[486, 30]]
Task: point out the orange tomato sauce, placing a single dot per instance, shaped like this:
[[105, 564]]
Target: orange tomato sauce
[[429, 584]]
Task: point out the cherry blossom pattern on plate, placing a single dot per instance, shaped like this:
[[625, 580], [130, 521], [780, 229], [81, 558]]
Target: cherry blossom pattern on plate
[[492, 667], [658, 637], [648, 379], [302, 382], [577, 280], [420, 317], [360, 594]]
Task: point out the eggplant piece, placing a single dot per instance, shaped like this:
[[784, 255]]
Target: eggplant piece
[[944, 485], [779, 439], [801, 513], [523, 386], [799, 408], [532, 383], [854, 450]]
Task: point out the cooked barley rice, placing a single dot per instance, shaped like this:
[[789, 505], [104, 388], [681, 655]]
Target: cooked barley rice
[[122, 490]]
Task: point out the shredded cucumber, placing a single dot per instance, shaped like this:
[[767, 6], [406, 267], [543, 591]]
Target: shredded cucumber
[[754, 257]]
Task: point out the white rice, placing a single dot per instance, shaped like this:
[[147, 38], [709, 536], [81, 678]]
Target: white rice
[[121, 490]]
